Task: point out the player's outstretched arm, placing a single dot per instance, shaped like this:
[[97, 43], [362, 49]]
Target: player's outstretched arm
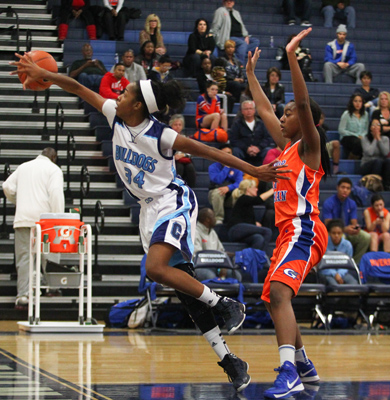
[[263, 105], [301, 95], [33, 71], [267, 173]]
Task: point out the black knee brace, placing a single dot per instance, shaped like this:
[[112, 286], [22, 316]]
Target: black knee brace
[[199, 312]]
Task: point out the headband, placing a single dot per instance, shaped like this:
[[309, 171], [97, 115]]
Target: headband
[[147, 93]]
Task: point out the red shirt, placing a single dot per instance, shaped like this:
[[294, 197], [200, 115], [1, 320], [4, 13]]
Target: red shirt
[[110, 87]]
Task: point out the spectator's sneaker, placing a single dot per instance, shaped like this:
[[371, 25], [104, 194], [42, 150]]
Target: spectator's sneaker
[[233, 313], [21, 302], [306, 23], [237, 371], [291, 22], [286, 384], [309, 393], [307, 372]]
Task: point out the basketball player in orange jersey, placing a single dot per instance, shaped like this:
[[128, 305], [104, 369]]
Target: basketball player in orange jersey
[[302, 239]]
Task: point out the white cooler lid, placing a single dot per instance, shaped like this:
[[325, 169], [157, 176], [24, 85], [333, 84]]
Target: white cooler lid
[[60, 216]]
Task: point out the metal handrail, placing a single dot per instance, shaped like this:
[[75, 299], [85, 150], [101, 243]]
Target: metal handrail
[[45, 131], [59, 125], [10, 12], [84, 191], [4, 232], [28, 40], [99, 213], [70, 156]]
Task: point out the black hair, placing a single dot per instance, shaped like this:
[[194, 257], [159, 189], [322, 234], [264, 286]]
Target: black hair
[[197, 22], [365, 73], [376, 197], [335, 223], [351, 107], [210, 83], [204, 213], [291, 38], [170, 94], [49, 152], [273, 69], [164, 59], [119, 63], [220, 62], [142, 49], [225, 146], [344, 180]]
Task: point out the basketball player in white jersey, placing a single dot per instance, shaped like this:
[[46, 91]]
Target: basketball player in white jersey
[[143, 150]]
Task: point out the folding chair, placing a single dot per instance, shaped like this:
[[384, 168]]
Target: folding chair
[[344, 297], [375, 273]]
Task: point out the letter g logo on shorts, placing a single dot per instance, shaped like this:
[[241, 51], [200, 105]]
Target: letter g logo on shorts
[[292, 274]]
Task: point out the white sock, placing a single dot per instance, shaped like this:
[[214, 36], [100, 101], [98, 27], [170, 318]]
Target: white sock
[[287, 353], [217, 342], [209, 297], [300, 355]]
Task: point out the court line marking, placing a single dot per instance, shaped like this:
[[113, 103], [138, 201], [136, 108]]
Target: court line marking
[[58, 380]]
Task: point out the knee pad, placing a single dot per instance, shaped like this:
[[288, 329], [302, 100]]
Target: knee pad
[[200, 312]]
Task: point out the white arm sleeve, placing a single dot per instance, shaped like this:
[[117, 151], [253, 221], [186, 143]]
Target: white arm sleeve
[[109, 110], [168, 137]]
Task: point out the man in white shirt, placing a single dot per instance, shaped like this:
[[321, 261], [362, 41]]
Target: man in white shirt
[[35, 187]]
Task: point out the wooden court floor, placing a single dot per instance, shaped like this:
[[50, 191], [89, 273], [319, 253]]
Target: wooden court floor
[[144, 364]]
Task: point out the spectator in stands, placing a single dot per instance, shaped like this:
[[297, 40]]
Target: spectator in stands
[[341, 206], [303, 57], [209, 113], [115, 17], [147, 57], [204, 74], [133, 71], [200, 42], [235, 73], [382, 113], [114, 83], [161, 73], [337, 242], [376, 147], [152, 32], [249, 137], [377, 221], [223, 180], [340, 10], [272, 155], [275, 90], [297, 7], [242, 225], [340, 58], [184, 166], [353, 127], [35, 187], [88, 71], [332, 147], [227, 24], [206, 238], [369, 94], [75, 9]]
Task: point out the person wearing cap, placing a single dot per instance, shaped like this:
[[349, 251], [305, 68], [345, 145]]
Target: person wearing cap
[[143, 153], [227, 24], [340, 57], [340, 10], [36, 187]]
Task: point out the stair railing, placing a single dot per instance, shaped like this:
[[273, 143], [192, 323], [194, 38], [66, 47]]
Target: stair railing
[[60, 119], [9, 13], [4, 231], [85, 180], [99, 227], [45, 131], [70, 156]]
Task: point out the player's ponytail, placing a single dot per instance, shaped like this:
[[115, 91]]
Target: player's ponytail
[[325, 161], [157, 96]]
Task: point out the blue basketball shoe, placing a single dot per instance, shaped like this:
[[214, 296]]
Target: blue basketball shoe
[[307, 372], [286, 384]]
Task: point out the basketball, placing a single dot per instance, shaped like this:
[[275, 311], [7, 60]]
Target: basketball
[[44, 60]]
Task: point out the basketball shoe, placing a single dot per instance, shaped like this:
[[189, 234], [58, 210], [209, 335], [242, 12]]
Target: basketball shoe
[[233, 313], [307, 372], [237, 371], [286, 384]]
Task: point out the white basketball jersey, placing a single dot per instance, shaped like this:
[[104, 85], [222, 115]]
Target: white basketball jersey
[[144, 161]]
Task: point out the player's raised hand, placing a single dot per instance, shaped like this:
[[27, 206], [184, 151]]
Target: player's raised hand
[[27, 66], [252, 60], [294, 43], [272, 172]]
